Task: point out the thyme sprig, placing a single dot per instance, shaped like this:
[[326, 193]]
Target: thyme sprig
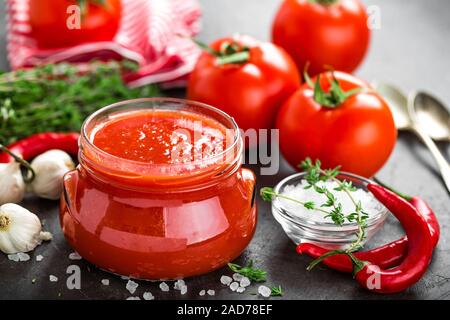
[[331, 207], [249, 271], [255, 274], [276, 291], [58, 97], [314, 174]]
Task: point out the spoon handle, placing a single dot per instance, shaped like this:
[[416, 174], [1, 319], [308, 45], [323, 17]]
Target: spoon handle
[[442, 163]]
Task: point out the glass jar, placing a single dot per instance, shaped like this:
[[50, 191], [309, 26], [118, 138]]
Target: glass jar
[[325, 234], [158, 221]]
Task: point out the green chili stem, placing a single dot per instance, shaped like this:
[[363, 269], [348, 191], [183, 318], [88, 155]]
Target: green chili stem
[[323, 257], [22, 162], [403, 195]]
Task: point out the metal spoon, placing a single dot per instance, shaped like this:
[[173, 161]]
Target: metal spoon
[[422, 101], [432, 116], [397, 102], [405, 118]]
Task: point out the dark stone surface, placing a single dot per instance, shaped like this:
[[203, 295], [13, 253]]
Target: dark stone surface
[[409, 50]]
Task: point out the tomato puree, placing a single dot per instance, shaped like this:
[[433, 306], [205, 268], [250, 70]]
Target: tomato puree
[[161, 137], [116, 213]]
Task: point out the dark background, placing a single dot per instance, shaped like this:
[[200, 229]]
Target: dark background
[[410, 50]]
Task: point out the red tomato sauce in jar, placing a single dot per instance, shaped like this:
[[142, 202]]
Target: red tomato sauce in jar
[[161, 137], [159, 192]]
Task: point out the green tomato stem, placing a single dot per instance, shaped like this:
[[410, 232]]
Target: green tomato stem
[[230, 53], [238, 57], [400, 194], [325, 2]]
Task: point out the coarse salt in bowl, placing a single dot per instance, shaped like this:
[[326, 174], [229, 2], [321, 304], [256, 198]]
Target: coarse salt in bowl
[[304, 225]]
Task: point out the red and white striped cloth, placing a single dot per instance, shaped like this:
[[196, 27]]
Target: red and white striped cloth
[[149, 34]]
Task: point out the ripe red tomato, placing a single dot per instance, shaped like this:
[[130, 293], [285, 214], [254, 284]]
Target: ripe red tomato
[[48, 20], [359, 134], [323, 32], [252, 90]]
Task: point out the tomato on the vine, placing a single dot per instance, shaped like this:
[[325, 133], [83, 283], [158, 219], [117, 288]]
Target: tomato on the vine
[[323, 32], [338, 119], [99, 21], [246, 78]]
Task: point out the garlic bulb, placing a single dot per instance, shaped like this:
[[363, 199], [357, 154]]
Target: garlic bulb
[[50, 168], [20, 230], [12, 186]]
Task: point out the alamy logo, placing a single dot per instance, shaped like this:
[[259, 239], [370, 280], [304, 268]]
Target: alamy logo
[[73, 21], [374, 280], [74, 278], [373, 17]]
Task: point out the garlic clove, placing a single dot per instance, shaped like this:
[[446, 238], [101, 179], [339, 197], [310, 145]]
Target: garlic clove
[[20, 230], [12, 186], [50, 167]]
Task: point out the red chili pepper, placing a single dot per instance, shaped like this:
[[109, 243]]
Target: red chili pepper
[[429, 216], [420, 247], [387, 256], [34, 145]]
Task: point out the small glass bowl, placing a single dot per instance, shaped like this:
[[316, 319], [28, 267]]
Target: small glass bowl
[[325, 234]]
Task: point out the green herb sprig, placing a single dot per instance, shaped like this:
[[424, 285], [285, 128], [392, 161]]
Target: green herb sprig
[[58, 97], [256, 275], [249, 271], [331, 207], [276, 291]]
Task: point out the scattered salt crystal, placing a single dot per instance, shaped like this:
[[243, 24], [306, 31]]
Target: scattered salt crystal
[[39, 258], [105, 282], [133, 298], [298, 192], [75, 256], [226, 280], [45, 236], [23, 256], [179, 284], [183, 289], [245, 282], [264, 291], [234, 286], [211, 292], [237, 276], [202, 293], [52, 278], [164, 287], [13, 257], [240, 289], [131, 286], [148, 296]]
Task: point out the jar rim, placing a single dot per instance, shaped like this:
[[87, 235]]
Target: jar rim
[[85, 135]]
